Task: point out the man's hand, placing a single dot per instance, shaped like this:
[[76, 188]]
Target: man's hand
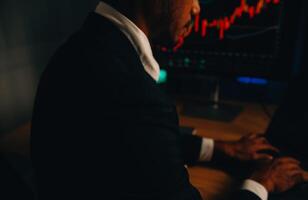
[[279, 175], [250, 147]]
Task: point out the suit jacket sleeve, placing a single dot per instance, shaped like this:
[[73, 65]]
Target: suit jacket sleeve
[[160, 151], [191, 146], [245, 195]]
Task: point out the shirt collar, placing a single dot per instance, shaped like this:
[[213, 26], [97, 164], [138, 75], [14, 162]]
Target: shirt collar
[[137, 37]]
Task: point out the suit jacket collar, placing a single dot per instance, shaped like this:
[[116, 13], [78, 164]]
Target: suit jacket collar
[[136, 37]]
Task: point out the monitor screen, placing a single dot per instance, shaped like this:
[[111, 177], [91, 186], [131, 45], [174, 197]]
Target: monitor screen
[[255, 38]]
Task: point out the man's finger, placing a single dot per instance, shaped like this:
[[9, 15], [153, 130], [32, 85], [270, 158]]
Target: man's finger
[[292, 167], [263, 157], [294, 172], [254, 136], [288, 160], [262, 140], [266, 147], [296, 175]]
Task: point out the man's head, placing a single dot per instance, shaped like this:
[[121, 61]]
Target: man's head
[[171, 19], [161, 20]]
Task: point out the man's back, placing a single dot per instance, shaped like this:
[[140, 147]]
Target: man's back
[[102, 127]]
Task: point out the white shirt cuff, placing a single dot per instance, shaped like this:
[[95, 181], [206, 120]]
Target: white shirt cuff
[[255, 188], [207, 150]]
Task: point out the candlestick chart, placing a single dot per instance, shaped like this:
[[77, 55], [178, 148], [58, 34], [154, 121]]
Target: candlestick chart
[[234, 15]]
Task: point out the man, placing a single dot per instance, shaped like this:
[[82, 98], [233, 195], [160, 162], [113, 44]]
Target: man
[[103, 129]]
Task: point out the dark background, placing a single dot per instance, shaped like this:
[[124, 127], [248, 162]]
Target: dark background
[[30, 31]]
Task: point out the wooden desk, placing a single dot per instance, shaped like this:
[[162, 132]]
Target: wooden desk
[[214, 184]]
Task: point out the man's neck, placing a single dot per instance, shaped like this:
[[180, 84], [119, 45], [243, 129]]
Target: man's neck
[[141, 22]]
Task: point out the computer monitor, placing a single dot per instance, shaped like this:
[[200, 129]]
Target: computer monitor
[[249, 40], [231, 38]]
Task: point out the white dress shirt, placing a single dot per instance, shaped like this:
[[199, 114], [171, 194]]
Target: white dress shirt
[[142, 46]]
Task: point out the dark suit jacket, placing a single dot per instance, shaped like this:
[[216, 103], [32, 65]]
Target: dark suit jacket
[[102, 128]]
